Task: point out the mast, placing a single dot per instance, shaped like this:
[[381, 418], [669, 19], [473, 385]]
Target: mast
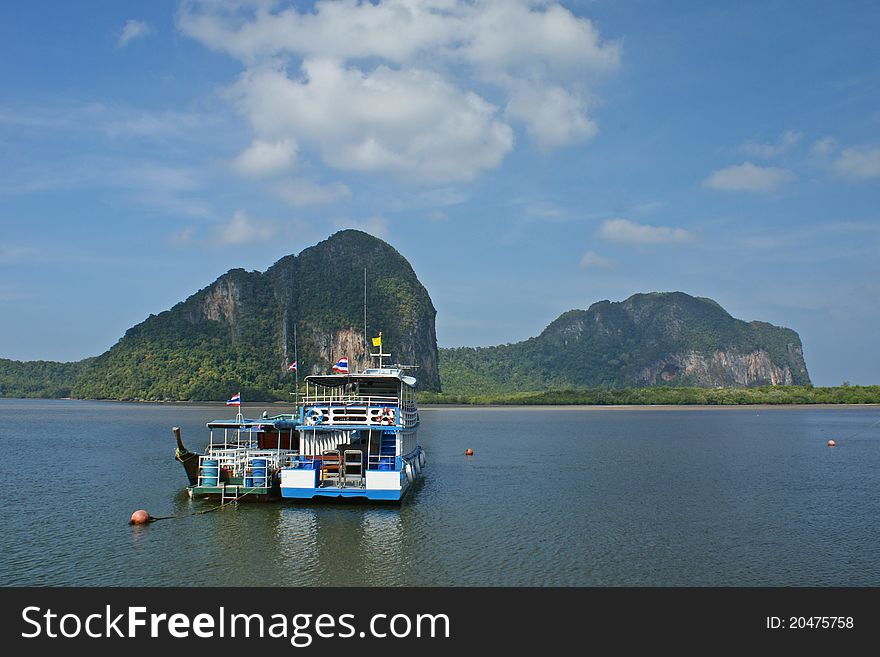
[[379, 353], [366, 348], [295, 371]]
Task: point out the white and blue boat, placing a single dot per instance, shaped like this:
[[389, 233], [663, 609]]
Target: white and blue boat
[[357, 436]]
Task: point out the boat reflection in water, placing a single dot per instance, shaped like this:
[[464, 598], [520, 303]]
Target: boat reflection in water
[[341, 546]]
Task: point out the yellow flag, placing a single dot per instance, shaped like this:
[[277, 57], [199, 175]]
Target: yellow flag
[[377, 342]]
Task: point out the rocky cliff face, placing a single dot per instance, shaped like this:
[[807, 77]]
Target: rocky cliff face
[[221, 301], [245, 328], [648, 339], [727, 368]]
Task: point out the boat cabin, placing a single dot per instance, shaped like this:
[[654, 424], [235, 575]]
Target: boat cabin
[[351, 424]]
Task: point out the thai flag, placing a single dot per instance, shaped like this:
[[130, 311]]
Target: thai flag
[[341, 366], [292, 367], [235, 400]]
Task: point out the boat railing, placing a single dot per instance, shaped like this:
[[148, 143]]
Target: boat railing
[[274, 458], [409, 417], [236, 461], [377, 462], [369, 400], [313, 462], [370, 413]]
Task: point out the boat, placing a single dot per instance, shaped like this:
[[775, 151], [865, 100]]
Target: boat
[[351, 436], [242, 459], [357, 436]]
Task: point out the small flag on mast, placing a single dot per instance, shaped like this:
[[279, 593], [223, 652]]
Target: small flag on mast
[[235, 400], [377, 342], [341, 366], [292, 367]]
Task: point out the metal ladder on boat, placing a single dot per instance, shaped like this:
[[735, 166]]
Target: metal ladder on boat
[[230, 496]]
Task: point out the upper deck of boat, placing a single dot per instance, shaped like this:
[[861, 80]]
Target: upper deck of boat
[[369, 377]]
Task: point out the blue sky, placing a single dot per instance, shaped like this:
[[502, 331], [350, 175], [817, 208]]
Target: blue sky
[[526, 157]]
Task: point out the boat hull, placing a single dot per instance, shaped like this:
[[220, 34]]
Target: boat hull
[[388, 495], [234, 493], [303, 483], [186, 458]]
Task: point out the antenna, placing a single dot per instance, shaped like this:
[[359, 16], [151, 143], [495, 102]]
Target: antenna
[[366, 349], [295, 371]]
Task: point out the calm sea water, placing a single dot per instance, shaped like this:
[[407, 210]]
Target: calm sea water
[[562, 496]]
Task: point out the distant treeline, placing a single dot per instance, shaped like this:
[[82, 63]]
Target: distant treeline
[[42, 378], [50, 380], [662, 395]]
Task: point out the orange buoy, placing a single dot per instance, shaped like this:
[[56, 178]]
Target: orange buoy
[[468, 452], [831, 443], [139, 517]]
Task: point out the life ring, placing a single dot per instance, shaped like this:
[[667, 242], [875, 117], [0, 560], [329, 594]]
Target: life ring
[[386, 416], [408, 469], [314, 416], [422, 458]]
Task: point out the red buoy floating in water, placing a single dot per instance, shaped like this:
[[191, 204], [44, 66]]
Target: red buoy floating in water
[[831, 443], [139, 517], [468, 452]]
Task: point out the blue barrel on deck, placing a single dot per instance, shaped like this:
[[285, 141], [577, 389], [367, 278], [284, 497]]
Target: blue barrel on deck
[[258, 470], [210, 472], [248, 482]]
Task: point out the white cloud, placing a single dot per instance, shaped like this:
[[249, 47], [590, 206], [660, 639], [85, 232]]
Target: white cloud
[[242, 229], [511, 35], [624, 230], [492, 34], [787, 140], [133, 29], [183, 237], [401, 86], [307, 192], [553, 116], [825, 146], [591, 259], [748, 177], [409, 122], [859, 163], [264, 158]]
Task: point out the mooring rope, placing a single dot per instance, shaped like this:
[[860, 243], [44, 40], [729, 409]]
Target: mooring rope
[[152, 519], [222, 504]]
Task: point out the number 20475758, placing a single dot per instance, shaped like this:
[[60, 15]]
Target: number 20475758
[[810, 623]]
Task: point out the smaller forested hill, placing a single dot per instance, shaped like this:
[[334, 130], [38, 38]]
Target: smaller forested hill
[[648, 339]]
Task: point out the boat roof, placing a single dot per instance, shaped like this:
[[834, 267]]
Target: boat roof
[[337, 380], [278, 422]]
